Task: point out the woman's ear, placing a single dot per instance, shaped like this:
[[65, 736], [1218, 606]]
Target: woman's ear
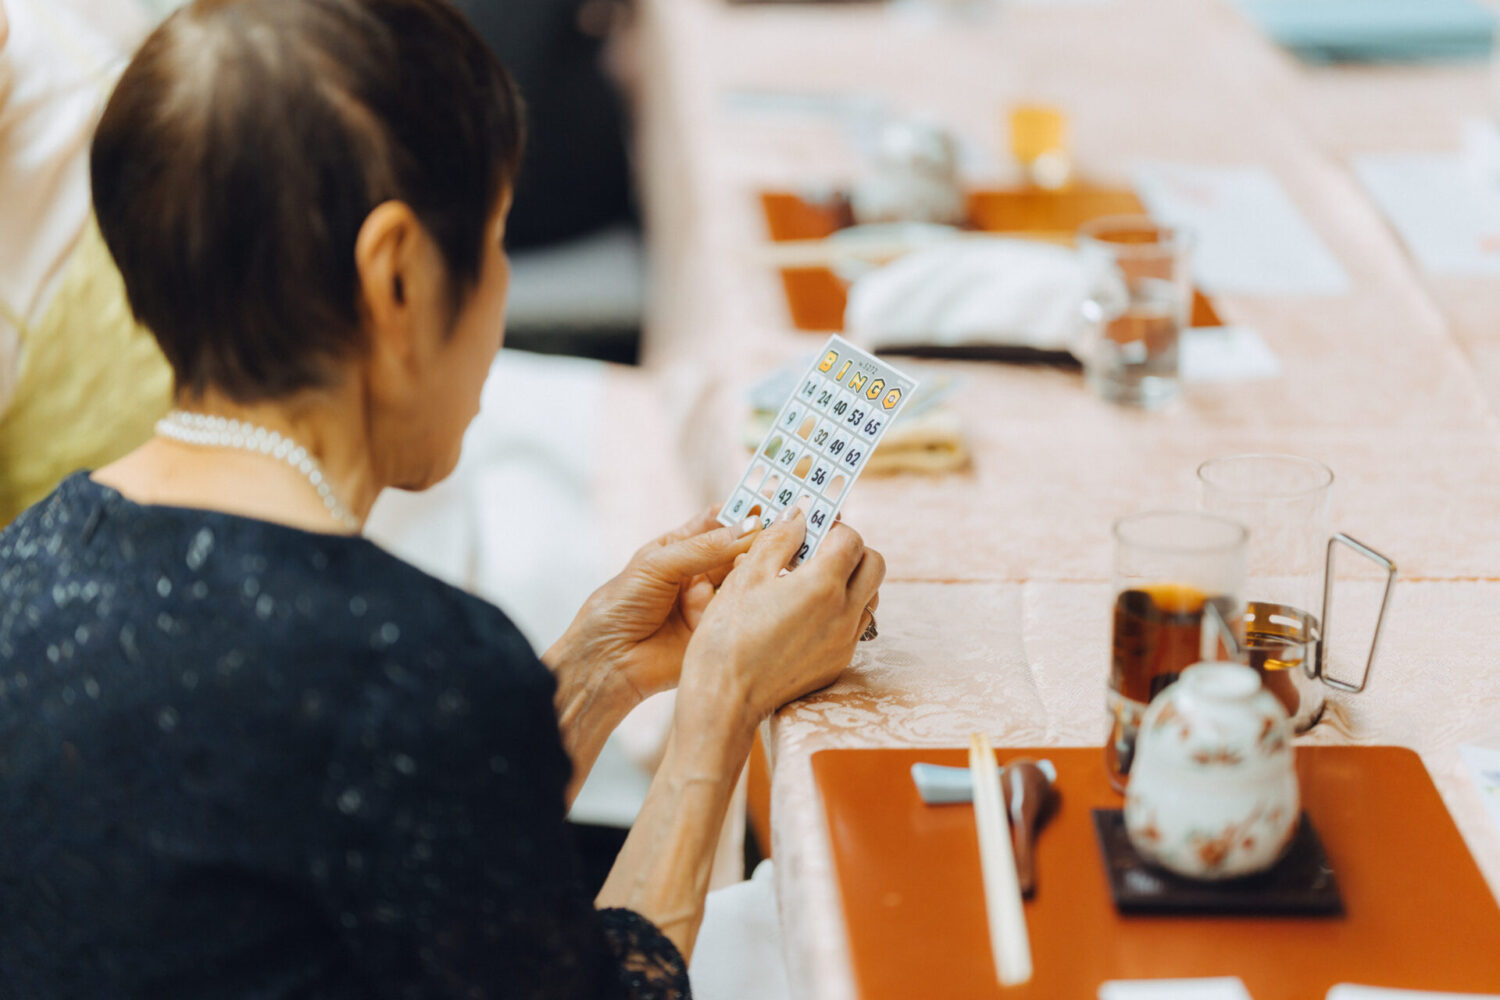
[[403, 296], [382, 252]]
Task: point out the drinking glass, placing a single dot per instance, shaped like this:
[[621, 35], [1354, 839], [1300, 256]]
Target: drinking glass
[[1284, 501], [1177, 580], [1139, 303]]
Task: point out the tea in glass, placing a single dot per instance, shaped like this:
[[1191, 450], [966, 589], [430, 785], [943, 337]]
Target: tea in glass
[[1158, 632], [1284, 500], [1177, 578]]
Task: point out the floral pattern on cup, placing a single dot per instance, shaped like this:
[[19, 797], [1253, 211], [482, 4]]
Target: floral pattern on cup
[[1217, 757], [1213, 794]]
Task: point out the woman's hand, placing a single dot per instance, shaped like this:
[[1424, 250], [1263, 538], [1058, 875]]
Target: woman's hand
[[636, 627], [769, 636]]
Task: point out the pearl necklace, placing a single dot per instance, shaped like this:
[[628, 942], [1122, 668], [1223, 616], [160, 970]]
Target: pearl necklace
[[221, 432]]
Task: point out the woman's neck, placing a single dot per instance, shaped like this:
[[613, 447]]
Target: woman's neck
[[213, 474]]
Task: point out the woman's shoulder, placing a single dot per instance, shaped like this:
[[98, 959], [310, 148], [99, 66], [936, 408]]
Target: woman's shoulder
[[304, 587]]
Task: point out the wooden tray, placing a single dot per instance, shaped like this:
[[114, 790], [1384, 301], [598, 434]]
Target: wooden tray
[[1418, 913], [816, 296]]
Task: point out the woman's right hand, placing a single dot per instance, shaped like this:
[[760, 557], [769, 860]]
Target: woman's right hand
[[769, 637], [765, 638]]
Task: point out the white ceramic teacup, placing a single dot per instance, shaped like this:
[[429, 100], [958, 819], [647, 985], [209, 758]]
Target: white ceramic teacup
[[1213, 791]]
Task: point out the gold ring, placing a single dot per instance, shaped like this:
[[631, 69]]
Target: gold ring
[[870, 631]]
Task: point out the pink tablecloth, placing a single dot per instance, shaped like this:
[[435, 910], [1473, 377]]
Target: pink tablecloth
[[995, 614]]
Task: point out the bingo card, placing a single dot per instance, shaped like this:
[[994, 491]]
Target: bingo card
[[821, 441]]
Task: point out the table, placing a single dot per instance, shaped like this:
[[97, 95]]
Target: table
[[994, 612]]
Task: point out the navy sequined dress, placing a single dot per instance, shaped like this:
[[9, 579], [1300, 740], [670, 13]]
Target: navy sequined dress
[[242, 760]]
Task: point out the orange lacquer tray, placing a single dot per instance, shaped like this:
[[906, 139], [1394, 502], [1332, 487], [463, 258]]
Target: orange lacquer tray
[[816, 296], [1418, 913]]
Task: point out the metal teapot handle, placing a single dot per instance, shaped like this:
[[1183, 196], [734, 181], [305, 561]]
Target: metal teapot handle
[[1385, 600], [1217, 631]]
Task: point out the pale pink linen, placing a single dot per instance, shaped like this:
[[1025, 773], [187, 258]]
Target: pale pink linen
[[995, 616], [1380, 109]]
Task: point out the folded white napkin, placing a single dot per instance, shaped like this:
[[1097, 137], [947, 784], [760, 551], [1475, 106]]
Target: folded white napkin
[[975, 291]]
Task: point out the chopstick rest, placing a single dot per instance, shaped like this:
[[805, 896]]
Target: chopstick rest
[[1009, 943], [1029, 792], [939, 785]]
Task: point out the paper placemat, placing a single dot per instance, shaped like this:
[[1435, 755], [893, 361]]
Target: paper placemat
[[1252, 240], [1447, 220]]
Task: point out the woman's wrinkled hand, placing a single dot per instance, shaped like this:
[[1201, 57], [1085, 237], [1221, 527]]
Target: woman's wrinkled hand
[[769, 636], [637, 625]]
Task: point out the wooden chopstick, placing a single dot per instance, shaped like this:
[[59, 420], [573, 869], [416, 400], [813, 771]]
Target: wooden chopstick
[[1009, 943]]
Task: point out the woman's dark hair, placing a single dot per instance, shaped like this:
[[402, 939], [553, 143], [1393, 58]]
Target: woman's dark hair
[[246, 143]]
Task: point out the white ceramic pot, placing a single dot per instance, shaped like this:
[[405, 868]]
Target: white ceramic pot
[[1213, 793], [914, 178]]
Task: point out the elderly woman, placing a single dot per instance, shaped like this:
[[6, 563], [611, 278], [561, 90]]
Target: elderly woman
[[245, 752]]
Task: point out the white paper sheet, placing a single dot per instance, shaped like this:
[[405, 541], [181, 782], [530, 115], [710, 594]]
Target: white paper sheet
[[1448, 220], [1220, 988], [1231, 988], [1251, 239], [1483, 765], [1348, 991], [1225, 354]]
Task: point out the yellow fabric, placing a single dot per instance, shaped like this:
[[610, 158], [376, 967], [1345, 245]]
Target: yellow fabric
[[91, 385]]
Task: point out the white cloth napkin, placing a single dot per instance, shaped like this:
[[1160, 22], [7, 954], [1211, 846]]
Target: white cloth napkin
[[974, 291], [738, 955], [982, 291]]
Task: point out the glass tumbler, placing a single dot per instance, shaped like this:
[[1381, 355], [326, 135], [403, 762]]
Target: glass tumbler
[[1140, 300], [1176, 583], [1284, 501]]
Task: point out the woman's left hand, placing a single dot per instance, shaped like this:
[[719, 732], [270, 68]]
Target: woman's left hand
[[638, 624]]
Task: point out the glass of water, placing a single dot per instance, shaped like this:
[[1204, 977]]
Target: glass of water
[[1140, 300]]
